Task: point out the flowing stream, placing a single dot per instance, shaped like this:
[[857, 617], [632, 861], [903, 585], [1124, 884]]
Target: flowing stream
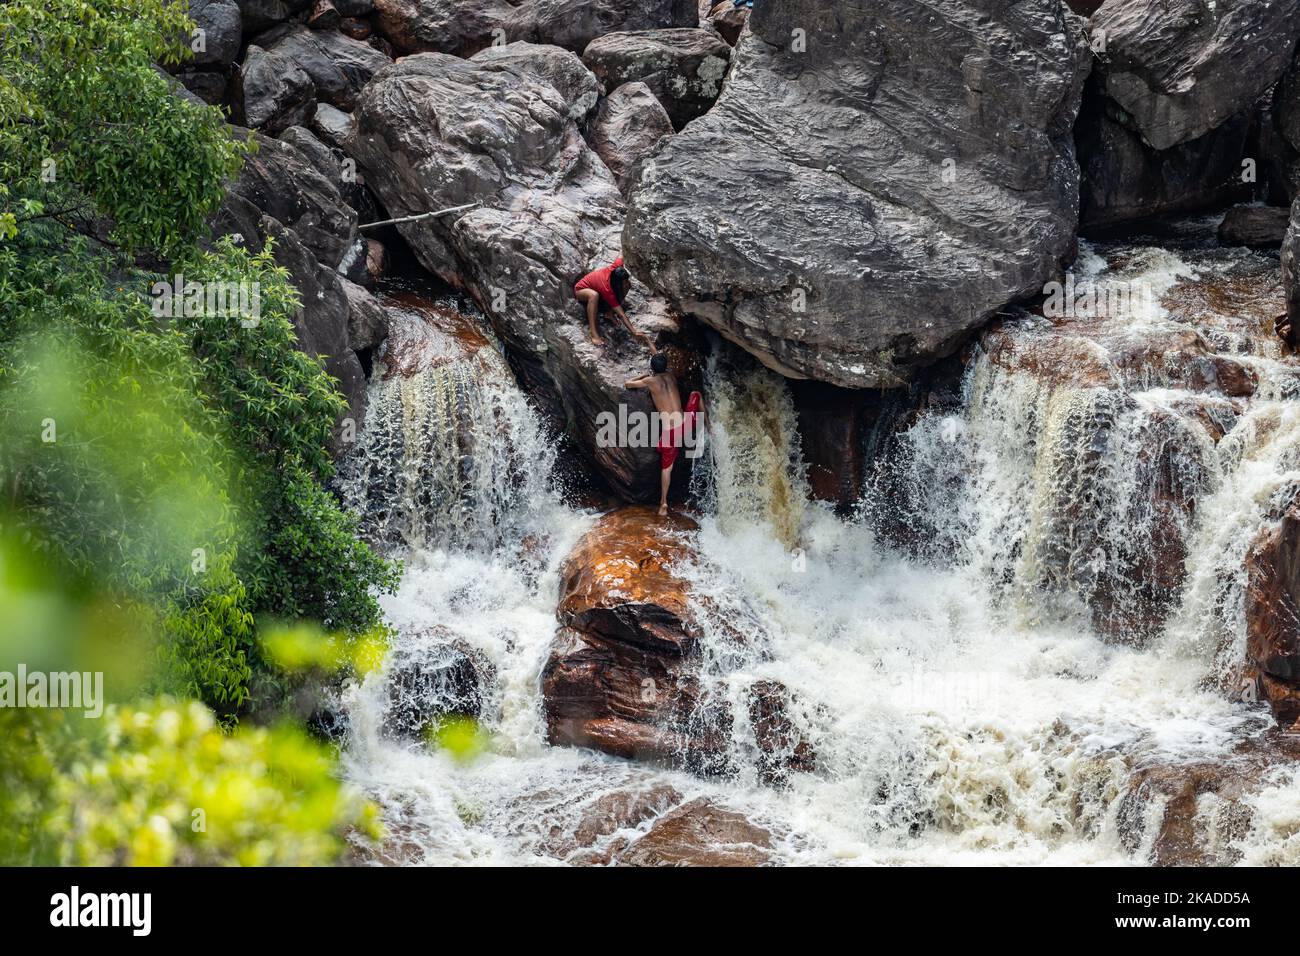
[[1041, 590]]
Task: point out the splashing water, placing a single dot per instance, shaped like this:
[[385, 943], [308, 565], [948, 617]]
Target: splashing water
[[439, 461], [966, 699]]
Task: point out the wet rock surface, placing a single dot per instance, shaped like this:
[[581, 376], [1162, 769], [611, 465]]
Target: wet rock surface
[[627, 128], [436, 676], [624, 675], [1124, 180], [837, 232], [683, 67], [1180, 68], [435, 132], [1273, 614], [699, 834], [1193, 814], [1259, 227], [555, 65]]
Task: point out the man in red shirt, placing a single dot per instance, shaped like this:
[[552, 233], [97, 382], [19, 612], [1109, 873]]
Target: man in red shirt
[[605, 290]]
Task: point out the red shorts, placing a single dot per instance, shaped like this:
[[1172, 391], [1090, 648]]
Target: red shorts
[[670, 445]]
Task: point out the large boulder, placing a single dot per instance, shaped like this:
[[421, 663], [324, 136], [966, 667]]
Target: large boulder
[[1125, 180], [272, 92], [258, 15], [464, 27], [434, 132], [872, 184], [627, 127], [444, 26], [1260, 227], [699, 833], [575, 23], [1283, 121], [431, 676], [555, 65], [1180, 68], [219, 21], [1273, 614], [280, 197], [624, 675], [683, 67], [337, 65], [283, 182], [1291, 267]]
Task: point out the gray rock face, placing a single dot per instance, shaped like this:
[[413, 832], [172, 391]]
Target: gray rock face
[[367, 319], [332, 124], [321, 322], [272, 92], [1180, 68], [627, 128], [575, 23], [328, 160], [464, 27], [1291, 266], [285, 184], [260, 14], [208, 85], [221, 25], [434, 131], [555, 65], [445, 26], [337, 65], [683, 67], [1124, 179], [1260, 227], [1278, 139], [282, 196], [874, 183]]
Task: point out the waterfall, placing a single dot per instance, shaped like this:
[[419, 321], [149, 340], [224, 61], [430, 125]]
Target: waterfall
[[450, 453], [1041, 597], [751, 470]]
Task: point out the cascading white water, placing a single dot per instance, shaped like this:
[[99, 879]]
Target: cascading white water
[[441, 460], [963, 699]]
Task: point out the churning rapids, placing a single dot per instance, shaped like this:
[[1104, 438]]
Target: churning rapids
[[965, 700]]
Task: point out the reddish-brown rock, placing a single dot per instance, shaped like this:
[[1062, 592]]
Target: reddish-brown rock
[[700, 834], [1188, 832], [619, 581], [782, 750], [624, 671], [727, 17], [1273, 614]]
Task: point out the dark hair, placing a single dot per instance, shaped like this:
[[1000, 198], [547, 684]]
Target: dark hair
[[622, 283], [659, 362]]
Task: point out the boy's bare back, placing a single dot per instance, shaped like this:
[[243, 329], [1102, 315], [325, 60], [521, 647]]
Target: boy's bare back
[[664, 392]]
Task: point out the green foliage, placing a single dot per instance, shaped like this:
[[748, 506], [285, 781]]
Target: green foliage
[[88, 126], [309, 561], [161, 475], [159, 784]]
